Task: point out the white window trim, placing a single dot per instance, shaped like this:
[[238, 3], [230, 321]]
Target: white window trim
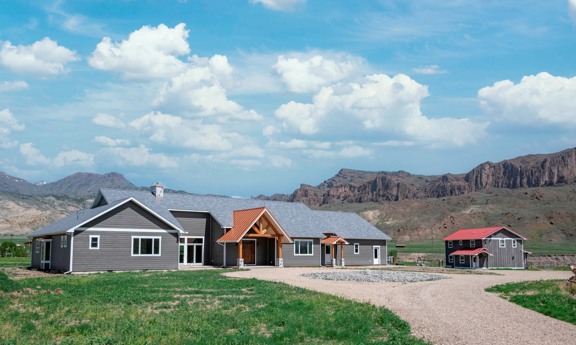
[[462, 259], [356, 248], [312, 247], [90, 242], [63, 241], [146, 237], [450, 244], [450, 259], [514, 243], [460, 242], [472, 243], [502, 243]]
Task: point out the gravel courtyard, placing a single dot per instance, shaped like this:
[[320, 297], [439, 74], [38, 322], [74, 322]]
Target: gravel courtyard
[[455, 310]]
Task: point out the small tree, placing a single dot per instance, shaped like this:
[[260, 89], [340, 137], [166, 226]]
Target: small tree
[[9, 248]]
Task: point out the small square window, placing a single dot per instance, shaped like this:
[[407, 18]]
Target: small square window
[[460, 242], [462, 259], [356, 248], [514, 243], [450, 258], [94, 242], [502, 243], [450, 244], [472, 243]]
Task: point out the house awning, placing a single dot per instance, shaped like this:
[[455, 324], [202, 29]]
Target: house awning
[[334, 240], [471, 252]]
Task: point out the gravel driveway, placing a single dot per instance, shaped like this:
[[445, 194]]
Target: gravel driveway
[[446, 311]]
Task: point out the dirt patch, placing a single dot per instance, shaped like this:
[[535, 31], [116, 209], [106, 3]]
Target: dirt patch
[[17, 273]]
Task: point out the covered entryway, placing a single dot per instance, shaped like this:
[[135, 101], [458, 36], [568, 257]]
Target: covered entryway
[[476, 258], [331, 243], [253, 228]]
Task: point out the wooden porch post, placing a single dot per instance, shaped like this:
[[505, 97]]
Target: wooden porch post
[[279, 259], [240, 258]]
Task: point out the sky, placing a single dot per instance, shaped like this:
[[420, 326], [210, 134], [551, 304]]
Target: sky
[[249, 97]]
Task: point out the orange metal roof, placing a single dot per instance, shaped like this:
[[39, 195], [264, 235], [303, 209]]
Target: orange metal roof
[[334, 240], [477, 233], [470, 251], [243, 220]]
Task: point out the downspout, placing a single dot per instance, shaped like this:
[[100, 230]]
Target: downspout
[[71, 253]]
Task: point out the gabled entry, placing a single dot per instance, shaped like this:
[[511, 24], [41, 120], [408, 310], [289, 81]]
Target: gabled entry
[[331, 243], [252, 225]]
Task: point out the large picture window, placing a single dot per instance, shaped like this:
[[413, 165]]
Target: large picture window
[[146, 246], [303, 247]]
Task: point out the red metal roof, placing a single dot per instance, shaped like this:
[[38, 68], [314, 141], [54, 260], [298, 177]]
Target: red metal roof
[[470, 251], [476, 234], [334, 240], [243, 220]]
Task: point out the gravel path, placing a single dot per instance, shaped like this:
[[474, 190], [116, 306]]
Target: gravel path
[[445, 311]]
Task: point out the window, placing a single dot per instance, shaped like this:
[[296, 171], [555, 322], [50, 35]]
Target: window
[[514, 243], [462, 259], [94, 241], [63, 241], [328, 249], [450, 258], [356, 248], [450, 244], [303, 247], [37, 246], [472, 243], [502, 243], [460, 243], [145, 246]]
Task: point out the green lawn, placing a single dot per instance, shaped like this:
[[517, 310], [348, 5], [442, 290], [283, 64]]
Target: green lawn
[[549, 297], [14, 262], [185, 307]]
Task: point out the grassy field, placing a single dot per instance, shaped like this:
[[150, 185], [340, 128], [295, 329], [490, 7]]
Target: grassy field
[[14, 262], [549, 297], [535, 247], [185, 307]]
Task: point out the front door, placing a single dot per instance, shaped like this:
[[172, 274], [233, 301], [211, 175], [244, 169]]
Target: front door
[[249, 252], [46, 255], [376, 253], [328, 255], [191, 250]]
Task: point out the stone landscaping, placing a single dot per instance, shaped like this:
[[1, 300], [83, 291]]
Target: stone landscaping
[[373, 276]]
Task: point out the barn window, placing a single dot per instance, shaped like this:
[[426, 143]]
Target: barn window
[[146, 245], [450, 258], [462, 259], [450, 244], [502, 243], [460, 243]]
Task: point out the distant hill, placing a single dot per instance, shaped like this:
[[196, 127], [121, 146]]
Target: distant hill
[[76, 185], [354, 186]]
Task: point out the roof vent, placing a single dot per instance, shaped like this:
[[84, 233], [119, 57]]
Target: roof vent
[[157, 190]]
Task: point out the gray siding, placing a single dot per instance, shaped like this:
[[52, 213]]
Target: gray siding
[[302, 260], [128, 216], [365, 257], [115, 252], [217, 257], [35, 253], [194, 223], [60, 255]]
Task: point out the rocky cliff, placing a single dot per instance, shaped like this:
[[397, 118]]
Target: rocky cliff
[[353, 186]]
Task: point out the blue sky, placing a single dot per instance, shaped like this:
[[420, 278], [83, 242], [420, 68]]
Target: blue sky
[[248, 97]]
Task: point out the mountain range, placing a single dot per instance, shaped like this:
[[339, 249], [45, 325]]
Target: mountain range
[[534, 194]]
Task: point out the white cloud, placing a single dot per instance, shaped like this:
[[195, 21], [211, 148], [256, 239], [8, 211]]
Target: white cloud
[[108, 121], [279, 5], [16, 85], [538, 99], [107, 141], [199, 91], [44, 58], [8, 124], [381, 104], [148, 53], [138, 156], [32, 155], [355, 151], [73, 157], [178, 132], [308, 73], [280, 162], [572, 9], [430, 69]]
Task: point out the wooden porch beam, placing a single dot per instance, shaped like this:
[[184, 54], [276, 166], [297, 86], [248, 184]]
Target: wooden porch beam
[[260, 235]]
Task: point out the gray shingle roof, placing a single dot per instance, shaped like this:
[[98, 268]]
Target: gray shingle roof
[[296, 218]]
